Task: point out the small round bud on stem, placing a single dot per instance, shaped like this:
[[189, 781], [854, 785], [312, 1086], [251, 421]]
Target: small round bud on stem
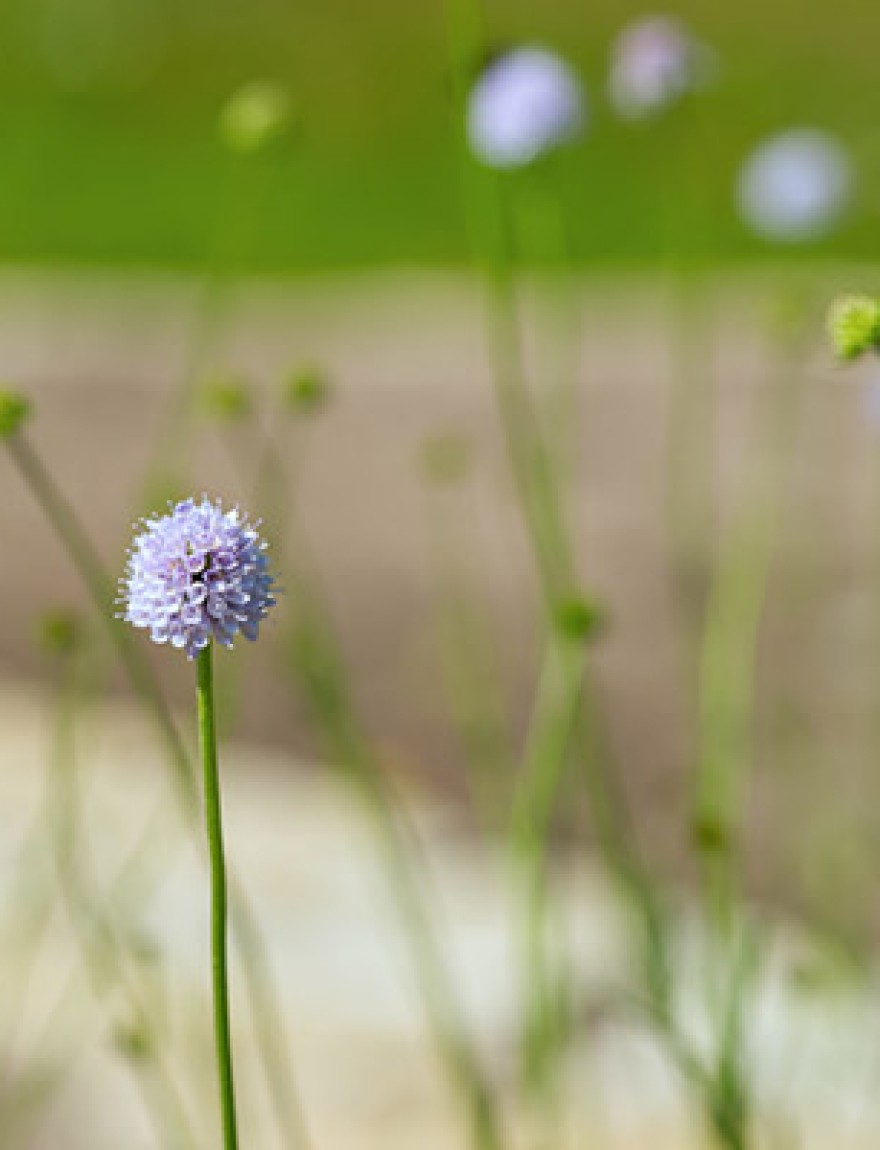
[[59, 633], [133, 1041], [854, 326], [306, 391], [255, 115], [226, 400], [578, 618], [710, 833], [14, 411]]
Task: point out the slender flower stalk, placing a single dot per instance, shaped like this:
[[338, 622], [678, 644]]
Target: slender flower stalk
[[524, 112], [684, 237], [549, 742], [214, 823], [537, 487], [728, 670]]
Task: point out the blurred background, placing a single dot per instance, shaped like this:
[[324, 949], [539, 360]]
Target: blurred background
[[260, 250], [112, 157]]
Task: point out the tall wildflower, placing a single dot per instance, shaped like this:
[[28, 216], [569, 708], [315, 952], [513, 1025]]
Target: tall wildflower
[[196, 577]]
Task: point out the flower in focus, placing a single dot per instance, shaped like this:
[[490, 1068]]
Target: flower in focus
[[654, 62], [796, 186], [197, 575], [524, 104]]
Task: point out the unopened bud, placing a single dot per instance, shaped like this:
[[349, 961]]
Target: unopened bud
[[255, 115], [854, 326], [14, 411]]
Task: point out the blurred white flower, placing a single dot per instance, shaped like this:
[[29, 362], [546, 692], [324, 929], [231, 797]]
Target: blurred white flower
[[654, 62], [524, 104], [796, 186]]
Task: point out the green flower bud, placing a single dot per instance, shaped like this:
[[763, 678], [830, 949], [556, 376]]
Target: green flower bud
[[306, 391], [854, 326], [579, 618], [59, 633], [710, 833], [226, 400], [133, 1041], [255, 115], [14, 411]]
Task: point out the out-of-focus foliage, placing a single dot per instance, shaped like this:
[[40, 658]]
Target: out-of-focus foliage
[[110, 151]]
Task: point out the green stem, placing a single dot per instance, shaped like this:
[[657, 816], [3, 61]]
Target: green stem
[[214, 823], [537, 484], [547, 750], [727, 701]]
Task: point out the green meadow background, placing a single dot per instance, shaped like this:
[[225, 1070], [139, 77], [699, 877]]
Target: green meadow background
[[109, 152]]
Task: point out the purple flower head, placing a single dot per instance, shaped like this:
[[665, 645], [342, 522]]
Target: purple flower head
[[796, 186], [196, 575], [655, 62], [522, 106]]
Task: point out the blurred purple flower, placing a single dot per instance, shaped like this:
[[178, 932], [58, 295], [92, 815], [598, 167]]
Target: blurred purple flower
[[197, 575], [524, 104], [654, 62], [796, 186]]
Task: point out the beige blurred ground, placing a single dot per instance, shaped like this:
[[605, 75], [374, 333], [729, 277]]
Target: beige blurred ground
[[405, 355], [366, 1068]]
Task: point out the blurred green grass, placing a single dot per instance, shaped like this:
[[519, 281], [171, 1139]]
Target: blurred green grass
[[109, 153]]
